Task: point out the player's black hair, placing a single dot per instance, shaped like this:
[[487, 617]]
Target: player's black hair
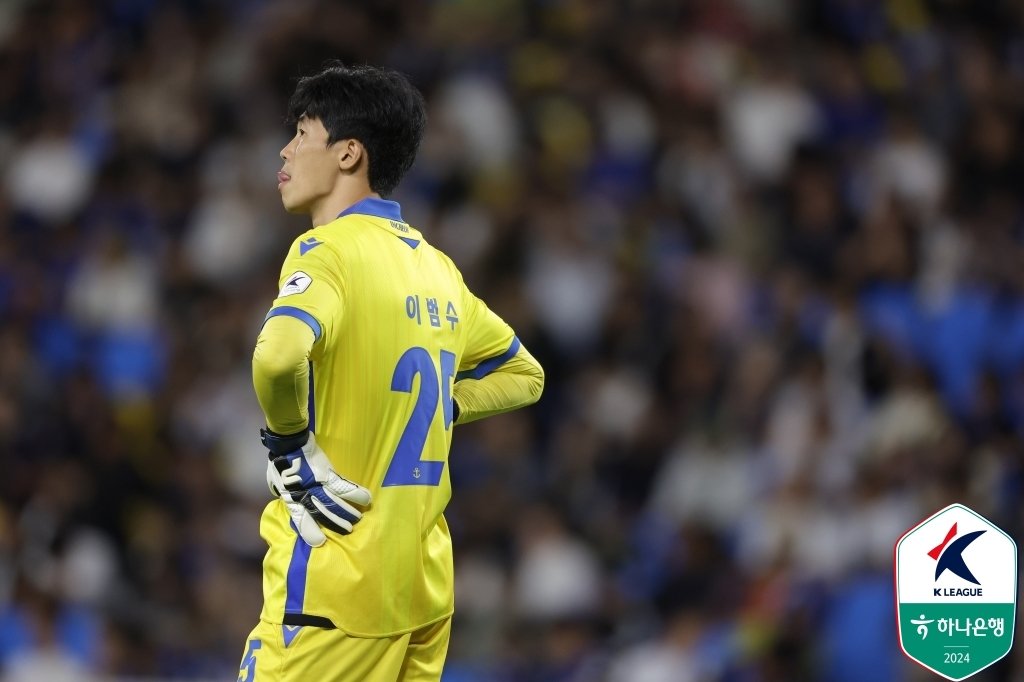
[[377, 106]]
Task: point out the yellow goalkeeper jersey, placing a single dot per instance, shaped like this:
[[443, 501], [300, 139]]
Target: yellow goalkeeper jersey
[[395, 326]]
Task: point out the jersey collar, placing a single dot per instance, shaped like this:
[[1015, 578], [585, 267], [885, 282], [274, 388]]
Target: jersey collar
[[379, 208]]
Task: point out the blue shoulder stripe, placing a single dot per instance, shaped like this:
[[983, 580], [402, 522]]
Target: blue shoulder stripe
[[491, 364], [297, 313]]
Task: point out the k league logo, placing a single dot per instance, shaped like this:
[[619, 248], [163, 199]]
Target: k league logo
[[951, 558], [956, 592]]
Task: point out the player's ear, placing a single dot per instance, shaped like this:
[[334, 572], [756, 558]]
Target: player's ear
[[349, 154]]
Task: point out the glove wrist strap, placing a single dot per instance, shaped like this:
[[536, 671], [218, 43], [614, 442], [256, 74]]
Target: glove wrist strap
[[279, 444]]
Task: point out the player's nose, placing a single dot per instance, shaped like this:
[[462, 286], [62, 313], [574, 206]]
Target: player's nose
[[286, 151]]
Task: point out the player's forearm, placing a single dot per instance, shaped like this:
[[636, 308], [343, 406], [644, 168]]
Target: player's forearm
[[517, 383], [280, 373]]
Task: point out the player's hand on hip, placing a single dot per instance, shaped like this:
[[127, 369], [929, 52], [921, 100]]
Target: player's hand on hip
[[316, 496], [303, 521]]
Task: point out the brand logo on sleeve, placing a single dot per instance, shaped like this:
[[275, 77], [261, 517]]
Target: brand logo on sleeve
[[295, 283], [307, 245]]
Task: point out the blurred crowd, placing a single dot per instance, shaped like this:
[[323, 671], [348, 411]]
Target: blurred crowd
[[770, 254]]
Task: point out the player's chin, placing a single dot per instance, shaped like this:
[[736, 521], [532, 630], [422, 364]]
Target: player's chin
[[291, 205]]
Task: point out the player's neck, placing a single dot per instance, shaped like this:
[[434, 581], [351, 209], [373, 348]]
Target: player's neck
[[337, 201]]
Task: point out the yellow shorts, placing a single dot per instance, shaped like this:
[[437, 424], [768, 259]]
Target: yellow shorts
[[325, 655]]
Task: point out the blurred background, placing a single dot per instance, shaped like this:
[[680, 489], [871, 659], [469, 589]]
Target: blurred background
[[770, 253]]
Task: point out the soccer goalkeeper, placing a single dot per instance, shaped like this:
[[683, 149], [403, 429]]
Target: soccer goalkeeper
[[376, 345]]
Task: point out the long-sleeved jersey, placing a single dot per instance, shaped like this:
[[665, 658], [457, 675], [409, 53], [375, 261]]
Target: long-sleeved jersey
[[371, 336]]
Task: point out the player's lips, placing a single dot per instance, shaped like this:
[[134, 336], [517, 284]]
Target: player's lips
[[282, 178]]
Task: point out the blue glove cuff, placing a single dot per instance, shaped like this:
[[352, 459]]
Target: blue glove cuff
[[282, 445]]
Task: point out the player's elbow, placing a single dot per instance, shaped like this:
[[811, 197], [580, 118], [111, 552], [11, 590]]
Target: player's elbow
[[532, 374], [535, 384]]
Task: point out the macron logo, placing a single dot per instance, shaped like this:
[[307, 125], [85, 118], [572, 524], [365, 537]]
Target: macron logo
[[951, 558], [307, 245]]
